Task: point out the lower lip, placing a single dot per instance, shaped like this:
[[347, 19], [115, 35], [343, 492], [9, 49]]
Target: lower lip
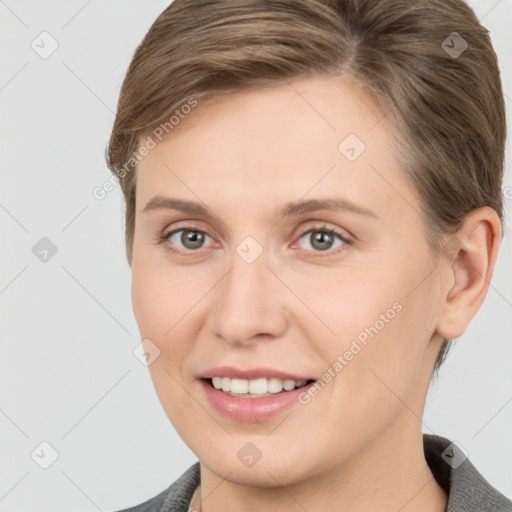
[[252, 409]]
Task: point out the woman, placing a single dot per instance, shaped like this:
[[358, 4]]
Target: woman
[[313, 210]]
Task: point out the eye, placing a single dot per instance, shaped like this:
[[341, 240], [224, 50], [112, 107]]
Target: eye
[[190, 239], [323, 239]]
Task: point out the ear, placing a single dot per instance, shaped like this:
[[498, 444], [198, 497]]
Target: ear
[[468, 265]]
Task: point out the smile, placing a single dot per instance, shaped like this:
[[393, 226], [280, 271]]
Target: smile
[[251, 407], [255, 388]]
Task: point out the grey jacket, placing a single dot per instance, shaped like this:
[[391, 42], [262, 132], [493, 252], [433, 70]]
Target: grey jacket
[[466, 488]]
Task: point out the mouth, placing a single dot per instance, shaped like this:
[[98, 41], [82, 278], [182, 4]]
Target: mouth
[[255, 388]]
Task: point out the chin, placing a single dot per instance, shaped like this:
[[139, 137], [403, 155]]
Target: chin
[[272, 468]]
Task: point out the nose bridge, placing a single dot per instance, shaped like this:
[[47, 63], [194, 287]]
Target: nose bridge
[[246, 302]]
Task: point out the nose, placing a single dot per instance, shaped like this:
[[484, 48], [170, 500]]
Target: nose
[[250, 303]]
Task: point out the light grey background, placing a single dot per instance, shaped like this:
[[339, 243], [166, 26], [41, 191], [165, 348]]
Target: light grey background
[[68, 373]]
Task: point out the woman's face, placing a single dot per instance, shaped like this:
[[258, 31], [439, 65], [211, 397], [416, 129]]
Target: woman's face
[[249, 287]]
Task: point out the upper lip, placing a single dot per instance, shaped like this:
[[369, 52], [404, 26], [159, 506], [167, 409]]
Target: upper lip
[[251, 373]]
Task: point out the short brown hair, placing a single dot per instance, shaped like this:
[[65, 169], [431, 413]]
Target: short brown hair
[[430, 64]]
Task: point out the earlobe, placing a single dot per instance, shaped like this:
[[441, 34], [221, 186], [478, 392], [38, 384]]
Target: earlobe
[[469, 259]]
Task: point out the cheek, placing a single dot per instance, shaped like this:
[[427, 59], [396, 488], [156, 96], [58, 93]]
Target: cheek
[[376, 370], [156, 296], [371, 329], [169, 308], [149, 305], [158, 308], [344, 304], [160, 312]]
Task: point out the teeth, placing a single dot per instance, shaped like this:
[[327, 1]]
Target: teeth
[[255, 387]]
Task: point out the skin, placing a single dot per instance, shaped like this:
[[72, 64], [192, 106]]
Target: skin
[[357, 446]]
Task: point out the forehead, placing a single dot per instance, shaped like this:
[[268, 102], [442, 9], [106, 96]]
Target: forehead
[[275, 144]]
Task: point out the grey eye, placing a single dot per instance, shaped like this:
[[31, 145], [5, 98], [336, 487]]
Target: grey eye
[[321, 240], [189, 239]]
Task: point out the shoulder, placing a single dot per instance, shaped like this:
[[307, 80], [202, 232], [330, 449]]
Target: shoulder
[[176, 498], [467, 489]]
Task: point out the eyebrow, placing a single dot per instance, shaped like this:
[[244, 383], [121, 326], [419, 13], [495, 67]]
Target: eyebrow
[[289, 209]]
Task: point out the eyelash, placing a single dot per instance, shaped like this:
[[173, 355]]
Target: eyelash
[[317, 254]]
